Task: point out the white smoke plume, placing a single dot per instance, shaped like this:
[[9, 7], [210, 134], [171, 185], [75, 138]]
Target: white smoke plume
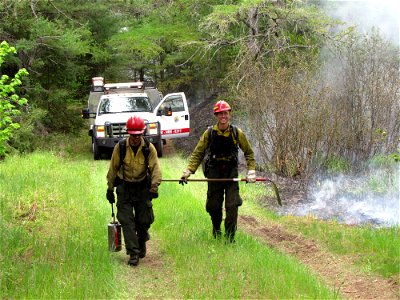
[[367, 14], [372, 198]]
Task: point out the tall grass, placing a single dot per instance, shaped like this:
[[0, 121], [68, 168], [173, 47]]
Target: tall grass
[[52, 229]]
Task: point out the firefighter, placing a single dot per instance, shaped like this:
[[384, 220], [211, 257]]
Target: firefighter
[[219, 147], [136, 176]]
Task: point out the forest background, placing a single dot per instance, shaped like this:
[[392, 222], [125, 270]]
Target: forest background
[[321, 94]]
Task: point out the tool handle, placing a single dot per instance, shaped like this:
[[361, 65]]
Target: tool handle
[[217, 179], [112, 212], [274, 187]]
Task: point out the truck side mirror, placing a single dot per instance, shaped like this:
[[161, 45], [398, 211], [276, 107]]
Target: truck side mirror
[[85, 113], [168, 111]]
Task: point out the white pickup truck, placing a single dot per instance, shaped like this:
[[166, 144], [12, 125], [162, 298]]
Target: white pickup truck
[[110, 106]]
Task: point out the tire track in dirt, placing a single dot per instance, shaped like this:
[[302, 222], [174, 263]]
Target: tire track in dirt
[[336, 271]]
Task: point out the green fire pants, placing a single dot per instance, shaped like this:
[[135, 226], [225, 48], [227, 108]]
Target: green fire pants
[[135, 213], [215, 198]]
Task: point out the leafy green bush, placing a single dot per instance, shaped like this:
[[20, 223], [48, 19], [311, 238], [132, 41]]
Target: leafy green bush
[[10, 102]]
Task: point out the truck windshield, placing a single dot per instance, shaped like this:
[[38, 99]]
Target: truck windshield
[[124, 104]]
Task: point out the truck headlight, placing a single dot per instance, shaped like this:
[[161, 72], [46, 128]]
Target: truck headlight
[[100, 132], [152, 128]]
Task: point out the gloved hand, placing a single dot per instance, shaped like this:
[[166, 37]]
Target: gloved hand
[[185, 177], [153, 192], [251, 176], [110, 196], [153, 195]]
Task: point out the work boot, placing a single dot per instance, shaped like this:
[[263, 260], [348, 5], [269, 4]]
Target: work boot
[[133, 260], [216, 233], [230, 237], [142, 246]]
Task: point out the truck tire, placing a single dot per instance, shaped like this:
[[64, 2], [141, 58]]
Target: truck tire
[[96, 151], [159, 148]]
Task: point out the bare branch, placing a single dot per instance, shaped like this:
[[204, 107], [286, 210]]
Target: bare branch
[[61, 12], [32, 4]]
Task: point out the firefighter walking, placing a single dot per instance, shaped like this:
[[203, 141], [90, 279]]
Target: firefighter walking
[[136, 177], [220, 146]]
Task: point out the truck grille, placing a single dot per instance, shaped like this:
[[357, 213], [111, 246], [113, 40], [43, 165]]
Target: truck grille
[[118, 130]]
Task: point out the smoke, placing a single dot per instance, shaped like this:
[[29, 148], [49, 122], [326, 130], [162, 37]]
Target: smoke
[[372, 198], [367, 14]]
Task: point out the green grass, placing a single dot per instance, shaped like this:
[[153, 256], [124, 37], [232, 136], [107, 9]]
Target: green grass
[[53, 232], [52, 229]]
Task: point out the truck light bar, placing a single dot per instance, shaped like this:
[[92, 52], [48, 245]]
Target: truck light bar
[[127, 85]]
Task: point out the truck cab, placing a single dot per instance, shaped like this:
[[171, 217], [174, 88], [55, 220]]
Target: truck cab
[[110, 106]]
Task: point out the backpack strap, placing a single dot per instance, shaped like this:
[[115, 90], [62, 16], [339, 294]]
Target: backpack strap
[[235, 134], [146, 151], [207, 154], [210, 136], [122, 152]]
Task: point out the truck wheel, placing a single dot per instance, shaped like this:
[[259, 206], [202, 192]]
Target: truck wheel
[[96, 151], [159, 148]]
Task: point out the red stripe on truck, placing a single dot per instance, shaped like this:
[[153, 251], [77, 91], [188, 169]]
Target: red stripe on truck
[[175, 131]]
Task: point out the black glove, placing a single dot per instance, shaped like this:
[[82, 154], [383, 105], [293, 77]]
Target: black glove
[[110, 196], [153, 195], [185, 177], [183, 180]]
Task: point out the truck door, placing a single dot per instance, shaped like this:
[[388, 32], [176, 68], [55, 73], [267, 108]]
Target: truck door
[[173, 114]]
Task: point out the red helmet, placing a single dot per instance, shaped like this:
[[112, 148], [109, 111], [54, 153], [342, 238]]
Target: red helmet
[[135, 125], [221, 106]]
